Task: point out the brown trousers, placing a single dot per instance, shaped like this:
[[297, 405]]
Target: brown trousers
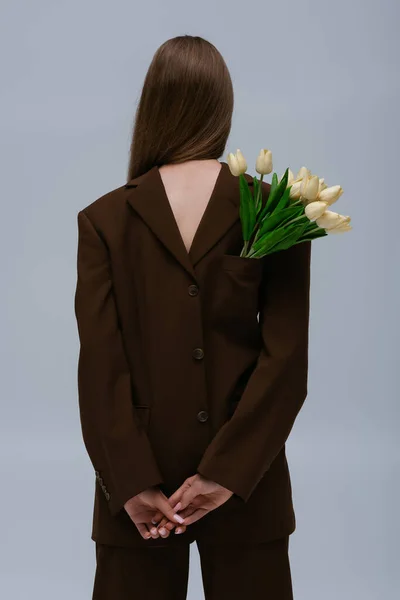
[[243, 571]]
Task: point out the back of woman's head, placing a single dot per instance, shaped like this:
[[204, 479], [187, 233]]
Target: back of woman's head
[[185, 108]]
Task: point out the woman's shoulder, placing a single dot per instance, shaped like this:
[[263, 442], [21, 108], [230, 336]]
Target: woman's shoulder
[[106, 208]]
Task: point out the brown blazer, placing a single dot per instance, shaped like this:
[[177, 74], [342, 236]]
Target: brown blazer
[[176, 372]]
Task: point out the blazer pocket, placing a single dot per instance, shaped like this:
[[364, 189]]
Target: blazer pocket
[[143, 413], [244, 264], [233, 297]]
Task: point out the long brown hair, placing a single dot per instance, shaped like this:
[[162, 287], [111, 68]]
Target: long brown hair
[[185, 108]]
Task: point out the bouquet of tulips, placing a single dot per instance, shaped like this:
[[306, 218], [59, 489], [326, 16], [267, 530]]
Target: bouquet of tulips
[[296, 209]]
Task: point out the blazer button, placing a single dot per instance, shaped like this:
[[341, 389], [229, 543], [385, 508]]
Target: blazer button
[[107, 495], [193, 290], [202, 416], [198, 353]]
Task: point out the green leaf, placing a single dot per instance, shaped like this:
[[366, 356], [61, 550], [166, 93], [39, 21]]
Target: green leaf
[[290, 239], [279, 191], [279, 218], [284, 201], [311, 225], [256, 186], [252, 211], [271, 194], [278, 239], [299, 213], [306, 236], [274, 183], [276, 193], [268, 239], [266, 216], [258, 254]]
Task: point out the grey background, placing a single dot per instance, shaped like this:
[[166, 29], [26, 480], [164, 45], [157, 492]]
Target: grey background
[[316, 82]]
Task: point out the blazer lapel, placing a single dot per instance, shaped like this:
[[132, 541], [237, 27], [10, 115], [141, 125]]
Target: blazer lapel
[[149, 199], [221, 213]]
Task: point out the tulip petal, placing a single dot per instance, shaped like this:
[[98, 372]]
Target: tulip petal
[[314, 210], [330, 194]]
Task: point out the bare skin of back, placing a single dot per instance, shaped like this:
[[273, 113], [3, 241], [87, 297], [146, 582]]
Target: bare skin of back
[[188, 187]]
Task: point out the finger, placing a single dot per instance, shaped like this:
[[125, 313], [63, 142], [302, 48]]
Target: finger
[[177, 495], [163, 505], [185, 513], [200, 512], [157, 518], [153, 531], [188, 497], [163, 523], [163, 531], [180, 529], [169, 525], [143, 530], [159, 515]]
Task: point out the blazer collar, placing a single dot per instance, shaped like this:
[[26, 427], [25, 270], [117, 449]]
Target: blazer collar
[[147, 196]]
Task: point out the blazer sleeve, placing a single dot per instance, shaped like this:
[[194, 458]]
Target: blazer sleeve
[[118, 447], [246, 445]]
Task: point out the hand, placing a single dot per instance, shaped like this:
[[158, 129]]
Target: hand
[[197, 497], [141, 508]]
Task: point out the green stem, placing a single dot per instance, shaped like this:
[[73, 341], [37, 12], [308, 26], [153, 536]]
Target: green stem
[[244, 249], [296, 219], [259, 189], [310, 231]]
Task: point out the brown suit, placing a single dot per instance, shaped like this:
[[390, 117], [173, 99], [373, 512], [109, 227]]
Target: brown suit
[[176, 375]]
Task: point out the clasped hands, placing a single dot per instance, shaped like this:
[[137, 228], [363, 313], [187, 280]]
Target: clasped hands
[[156, 515]]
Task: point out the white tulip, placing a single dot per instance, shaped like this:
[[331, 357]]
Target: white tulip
[[237, 163], [330, 219], [340, 229], [330, 194], [291, 178], [322, 185], [314, 210], [309, 187], [303, 172], [264, 162], [295, 190]]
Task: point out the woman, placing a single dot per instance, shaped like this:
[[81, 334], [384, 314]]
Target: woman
[[193, 360]]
